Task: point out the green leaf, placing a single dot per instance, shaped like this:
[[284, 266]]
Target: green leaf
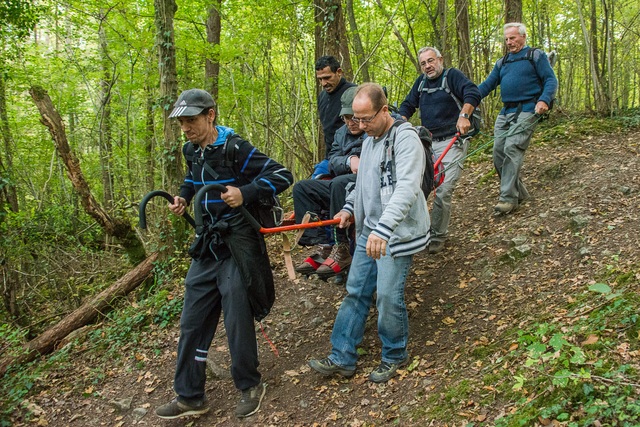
[[557, 341], [578, 355], [602, 288], [561, 378]]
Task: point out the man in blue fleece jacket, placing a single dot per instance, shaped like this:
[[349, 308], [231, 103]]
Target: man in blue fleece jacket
[[527, 88], [443, 116], [392, 224]]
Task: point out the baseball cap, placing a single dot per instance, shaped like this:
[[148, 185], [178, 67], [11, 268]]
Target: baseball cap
[[191, 103], [346, 100]]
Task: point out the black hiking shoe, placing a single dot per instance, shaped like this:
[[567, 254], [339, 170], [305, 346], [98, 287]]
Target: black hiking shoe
[[250, 401], [326, 367], [177, 409], [386, 370]]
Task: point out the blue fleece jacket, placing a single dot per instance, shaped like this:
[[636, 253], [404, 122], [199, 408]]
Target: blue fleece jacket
[[520, 81], [438, 111]]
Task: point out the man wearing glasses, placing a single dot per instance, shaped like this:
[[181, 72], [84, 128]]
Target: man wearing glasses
[[316, 195], [446, 99], [392, 224]]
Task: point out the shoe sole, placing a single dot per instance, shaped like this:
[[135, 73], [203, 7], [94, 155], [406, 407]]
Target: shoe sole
[[184, 414], [340, 371], [264, 391], [499, 212], [325, 275], [306, 271]]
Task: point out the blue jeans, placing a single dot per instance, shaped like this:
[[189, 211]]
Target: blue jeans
[[387, 276]]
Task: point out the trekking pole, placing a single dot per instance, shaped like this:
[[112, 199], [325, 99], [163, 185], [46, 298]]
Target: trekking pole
[[445, 151], [142, 210], [197, 210]]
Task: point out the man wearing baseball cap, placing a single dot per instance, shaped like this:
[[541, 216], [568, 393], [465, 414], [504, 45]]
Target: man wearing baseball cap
[[217, 280], [316, 195]]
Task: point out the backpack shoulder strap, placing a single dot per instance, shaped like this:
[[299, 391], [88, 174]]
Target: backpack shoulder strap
[[188, 151], [445, 86]]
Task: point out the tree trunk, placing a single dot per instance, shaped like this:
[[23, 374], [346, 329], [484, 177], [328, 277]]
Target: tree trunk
[[150, 140], [104, 138], [165, 11], [112, 226], [464, 42], [442, 33], [331, 33], [600, 103], [8, 190], [47, 341], [512, 11], [363, 60], [212, 65]]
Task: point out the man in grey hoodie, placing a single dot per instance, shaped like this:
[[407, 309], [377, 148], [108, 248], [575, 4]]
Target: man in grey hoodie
[[392, 224]]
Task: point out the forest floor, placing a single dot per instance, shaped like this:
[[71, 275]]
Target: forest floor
[[497, 273]]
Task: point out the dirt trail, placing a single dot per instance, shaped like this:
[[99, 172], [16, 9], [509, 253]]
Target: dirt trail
[[496, 272]]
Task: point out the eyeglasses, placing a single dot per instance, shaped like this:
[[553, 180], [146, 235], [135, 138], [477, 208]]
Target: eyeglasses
[[429, 61], [358, 120], [347, 118]]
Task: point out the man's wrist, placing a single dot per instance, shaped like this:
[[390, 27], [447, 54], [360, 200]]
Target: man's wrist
[[464, 115]]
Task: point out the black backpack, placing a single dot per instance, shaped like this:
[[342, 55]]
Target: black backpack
[[268, 211], [476, 117], [430, 180]]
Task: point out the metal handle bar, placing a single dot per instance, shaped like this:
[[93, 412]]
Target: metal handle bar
[[142, 211], [197, 210]]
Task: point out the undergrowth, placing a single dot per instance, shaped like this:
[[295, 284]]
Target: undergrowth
[[110, 342], [577, 369]]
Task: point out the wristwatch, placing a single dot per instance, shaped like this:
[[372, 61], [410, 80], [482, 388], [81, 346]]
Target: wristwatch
[[465, 115]]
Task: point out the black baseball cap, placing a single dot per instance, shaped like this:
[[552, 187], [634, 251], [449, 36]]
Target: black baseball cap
[[191, 103]]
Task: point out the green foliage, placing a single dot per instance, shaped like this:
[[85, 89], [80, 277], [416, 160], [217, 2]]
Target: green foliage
[[575, 369], [19, 382]]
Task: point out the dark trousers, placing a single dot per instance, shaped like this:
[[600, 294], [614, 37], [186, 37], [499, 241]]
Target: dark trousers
[[315, 195], [211, 287]]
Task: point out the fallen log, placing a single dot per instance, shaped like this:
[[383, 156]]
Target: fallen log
[[47, 341]]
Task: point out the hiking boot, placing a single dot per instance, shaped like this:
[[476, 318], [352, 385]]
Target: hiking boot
[[177, 409], [337, 262], [505, 207], [436, 246], [312, 262], [326, 367], [251, 400], [386, 370]]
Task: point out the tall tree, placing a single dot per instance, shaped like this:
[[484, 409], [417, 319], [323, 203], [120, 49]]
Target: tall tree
[[465, 62], [104, 136], [442, 35], [212, 64], [165, 11], [331, 32], [512, 11], [363, 60]]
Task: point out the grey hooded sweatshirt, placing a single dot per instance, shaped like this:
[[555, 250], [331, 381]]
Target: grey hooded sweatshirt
[[388, 200]]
